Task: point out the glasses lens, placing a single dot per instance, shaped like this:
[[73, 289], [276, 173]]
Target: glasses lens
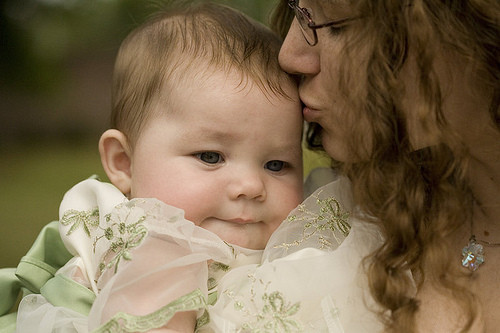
[[304, 20]]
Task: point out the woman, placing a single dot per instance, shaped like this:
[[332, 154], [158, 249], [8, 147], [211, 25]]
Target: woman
[[405, 95]]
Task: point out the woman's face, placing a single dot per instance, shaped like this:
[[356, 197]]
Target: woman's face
[[319, 67], [464, 100]]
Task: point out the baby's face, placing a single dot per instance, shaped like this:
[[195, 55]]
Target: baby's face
[[227, 154]]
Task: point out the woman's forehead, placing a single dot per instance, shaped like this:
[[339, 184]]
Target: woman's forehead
[[326, 4], [331, 2]]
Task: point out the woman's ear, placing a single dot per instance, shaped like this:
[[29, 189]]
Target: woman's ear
[[116, 159]]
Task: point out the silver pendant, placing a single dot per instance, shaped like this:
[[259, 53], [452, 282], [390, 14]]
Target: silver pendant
[[472, 254]]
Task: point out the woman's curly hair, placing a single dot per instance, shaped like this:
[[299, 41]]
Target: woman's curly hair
[[419, 197]]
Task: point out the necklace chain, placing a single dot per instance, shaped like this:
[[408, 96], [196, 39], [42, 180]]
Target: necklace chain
[[486, 242], [473, 252]]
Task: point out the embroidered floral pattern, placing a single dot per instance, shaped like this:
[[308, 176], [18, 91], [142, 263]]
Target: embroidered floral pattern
[[124, 231], [218, 266], [269, 312], [215, 271], [329, 220], [87, 219]]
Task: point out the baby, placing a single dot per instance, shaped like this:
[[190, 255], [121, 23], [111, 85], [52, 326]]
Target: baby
[[204, 157]]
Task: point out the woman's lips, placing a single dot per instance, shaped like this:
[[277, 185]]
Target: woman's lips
[[311, 115]]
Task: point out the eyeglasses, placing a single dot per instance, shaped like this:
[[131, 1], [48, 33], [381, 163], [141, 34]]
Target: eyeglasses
[[308, 26]]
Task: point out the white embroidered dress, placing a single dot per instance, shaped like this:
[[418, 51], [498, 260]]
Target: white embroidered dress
[[144, 262]]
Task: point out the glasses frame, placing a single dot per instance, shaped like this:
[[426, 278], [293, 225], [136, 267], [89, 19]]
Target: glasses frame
[[303, 16]]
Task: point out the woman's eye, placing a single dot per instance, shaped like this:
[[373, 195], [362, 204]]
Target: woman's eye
[[210, 157], [275, 165], [340, 26], [337, 30]]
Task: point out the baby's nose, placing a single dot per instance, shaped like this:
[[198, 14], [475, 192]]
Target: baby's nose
[[248, 184]]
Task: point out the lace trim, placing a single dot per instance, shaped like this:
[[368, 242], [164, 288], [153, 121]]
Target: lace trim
[[124, 322], [328, 220]]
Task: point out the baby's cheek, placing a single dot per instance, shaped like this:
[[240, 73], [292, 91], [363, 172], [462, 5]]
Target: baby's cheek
[[196, 212]]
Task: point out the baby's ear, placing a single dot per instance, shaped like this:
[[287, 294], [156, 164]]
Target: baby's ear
[[116, 159]]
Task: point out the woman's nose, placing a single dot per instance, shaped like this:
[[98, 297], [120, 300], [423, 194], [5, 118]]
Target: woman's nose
[[296, 56], [248, 185]]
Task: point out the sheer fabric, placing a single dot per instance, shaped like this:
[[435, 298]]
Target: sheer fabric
[[144, 262], [311, 278]]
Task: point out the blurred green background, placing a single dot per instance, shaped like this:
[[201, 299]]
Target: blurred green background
[[56, 59]]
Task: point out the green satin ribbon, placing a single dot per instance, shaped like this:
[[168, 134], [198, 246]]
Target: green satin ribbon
[[64, 292], [35, 269]]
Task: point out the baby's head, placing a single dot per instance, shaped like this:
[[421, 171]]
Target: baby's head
[[185, 44], [204, 119]]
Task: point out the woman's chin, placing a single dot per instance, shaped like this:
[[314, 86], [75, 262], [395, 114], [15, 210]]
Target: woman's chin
[[336, 150]]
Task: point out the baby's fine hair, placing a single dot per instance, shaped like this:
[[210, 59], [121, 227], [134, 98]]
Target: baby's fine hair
[[183, 40]]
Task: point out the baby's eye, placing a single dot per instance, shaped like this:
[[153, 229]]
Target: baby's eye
[[275, 165], [210, 157]]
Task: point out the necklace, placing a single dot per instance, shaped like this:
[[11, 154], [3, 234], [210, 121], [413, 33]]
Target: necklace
[[473, 253]]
